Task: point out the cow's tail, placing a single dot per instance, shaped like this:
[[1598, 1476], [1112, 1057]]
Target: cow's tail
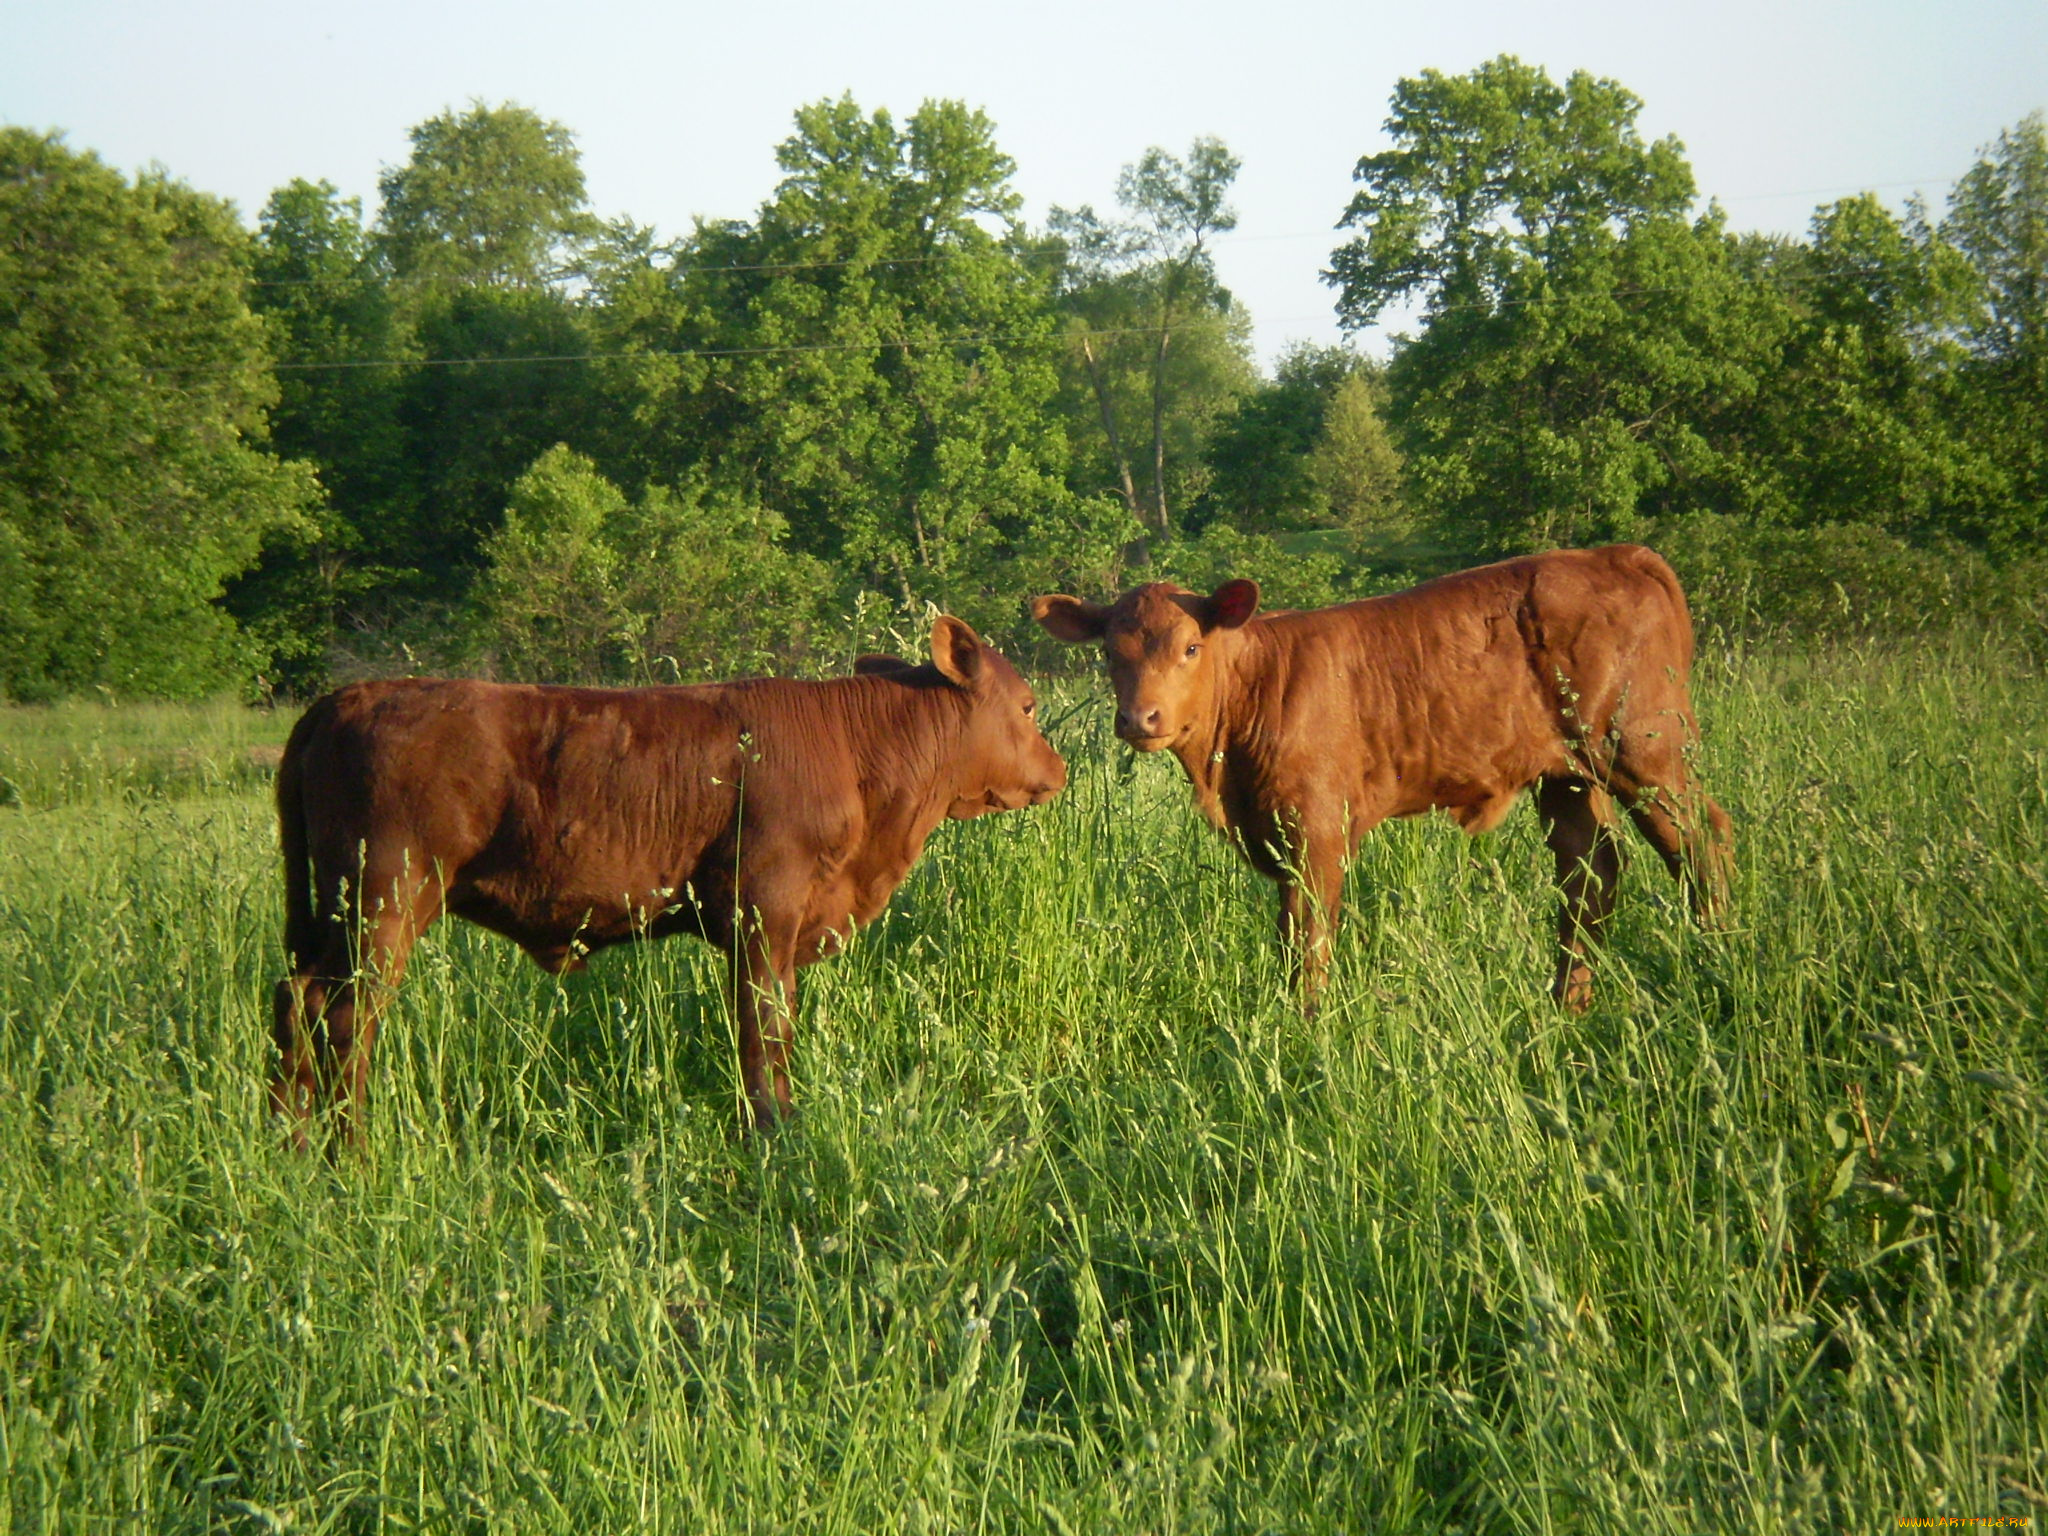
[[301, 928]]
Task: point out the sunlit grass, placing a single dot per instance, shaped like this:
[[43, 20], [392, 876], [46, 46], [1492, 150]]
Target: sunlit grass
[[1080, 1228], [86, 750]]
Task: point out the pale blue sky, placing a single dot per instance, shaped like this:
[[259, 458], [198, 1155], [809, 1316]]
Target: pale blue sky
[[677, 108]]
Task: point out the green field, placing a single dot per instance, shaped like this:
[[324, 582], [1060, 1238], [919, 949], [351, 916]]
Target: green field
[[1081, 1229]]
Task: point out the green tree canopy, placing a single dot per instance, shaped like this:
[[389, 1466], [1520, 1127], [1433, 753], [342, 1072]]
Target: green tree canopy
[[1164, 352], [134, 382], [1354, 467], [333, 321], [1858, 422], [491, 196], [1492, 173], [583, 584], [882, 364], [336, 333], [1260, 476], [479, 233], [1584, 345], [1998, 218]]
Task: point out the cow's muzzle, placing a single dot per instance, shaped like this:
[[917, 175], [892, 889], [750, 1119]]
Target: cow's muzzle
[[1141, 726]]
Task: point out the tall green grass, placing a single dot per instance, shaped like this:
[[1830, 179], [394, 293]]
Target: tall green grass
[[82, 751], [1081, 1228]]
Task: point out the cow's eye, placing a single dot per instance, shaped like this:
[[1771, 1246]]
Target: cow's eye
[[1031, 708], [1193, 651]]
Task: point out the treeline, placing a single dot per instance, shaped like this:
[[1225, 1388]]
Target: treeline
[[486, 429]]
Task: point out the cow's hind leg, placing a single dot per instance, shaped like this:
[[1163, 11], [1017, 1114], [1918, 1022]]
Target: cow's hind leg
[[318, 940], [296, 1010], [1576, 824], [327, 1010]]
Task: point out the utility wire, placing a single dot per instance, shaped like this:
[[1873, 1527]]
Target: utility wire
[[1045, 252], [981, 339], [1782, 279]]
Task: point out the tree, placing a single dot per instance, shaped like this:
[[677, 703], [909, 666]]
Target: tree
[[547, 602], [1860, 416], [583, 584], [1259, 456], [502, 375], [880, 362], [1492, 174], [1998, 218], [1354, 467], [1583, 345], [134, 382], [480, 231], [490, 197], [647, 393], [1136, 288], [337, 335], [333, 327]]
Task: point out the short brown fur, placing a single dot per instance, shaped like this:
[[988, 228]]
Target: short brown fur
[[1564, 672], [771, 817]]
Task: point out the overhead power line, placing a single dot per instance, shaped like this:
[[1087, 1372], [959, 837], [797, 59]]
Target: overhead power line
[[1047, 253], [1782, 278], [657, 354]]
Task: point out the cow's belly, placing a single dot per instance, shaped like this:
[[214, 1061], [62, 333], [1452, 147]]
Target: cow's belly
[[559, 908], [1477, 788], [559, 923]]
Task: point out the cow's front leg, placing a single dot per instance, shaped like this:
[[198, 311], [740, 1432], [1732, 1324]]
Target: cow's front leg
[[1311, 892], [766, 1011]]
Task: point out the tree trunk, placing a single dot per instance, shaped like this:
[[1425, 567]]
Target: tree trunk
[[924, 554], [1126, 487], [1159, 425]]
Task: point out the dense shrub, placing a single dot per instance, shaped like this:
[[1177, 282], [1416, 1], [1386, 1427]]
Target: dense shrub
[[1846, 581], [583, 584], [1287, 578]]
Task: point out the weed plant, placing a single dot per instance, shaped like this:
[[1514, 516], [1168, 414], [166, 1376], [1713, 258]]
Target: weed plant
[[1080, 1228]]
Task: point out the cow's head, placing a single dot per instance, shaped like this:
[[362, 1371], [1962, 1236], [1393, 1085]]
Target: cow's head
[[1005, 763], [1162, 645]]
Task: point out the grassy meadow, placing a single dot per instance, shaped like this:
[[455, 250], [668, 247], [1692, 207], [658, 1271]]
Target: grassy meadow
[[1081, 1228]]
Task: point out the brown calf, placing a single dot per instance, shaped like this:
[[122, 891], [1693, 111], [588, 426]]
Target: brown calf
[[771, 817], [1300, 732]]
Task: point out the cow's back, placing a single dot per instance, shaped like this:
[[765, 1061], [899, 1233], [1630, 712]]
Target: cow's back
[[1461, 691], [510, 790]]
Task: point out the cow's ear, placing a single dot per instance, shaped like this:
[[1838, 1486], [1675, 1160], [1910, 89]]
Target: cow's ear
[[1068, 618], [956, 650], [879, 666], [1232, 603]]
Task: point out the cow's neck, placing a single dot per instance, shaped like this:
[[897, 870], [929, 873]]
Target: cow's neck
[[1220, 750], [914, 730], [1206, 763]]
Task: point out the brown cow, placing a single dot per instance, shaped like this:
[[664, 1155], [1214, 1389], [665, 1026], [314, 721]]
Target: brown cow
[[1302, 731], [772, 817]]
